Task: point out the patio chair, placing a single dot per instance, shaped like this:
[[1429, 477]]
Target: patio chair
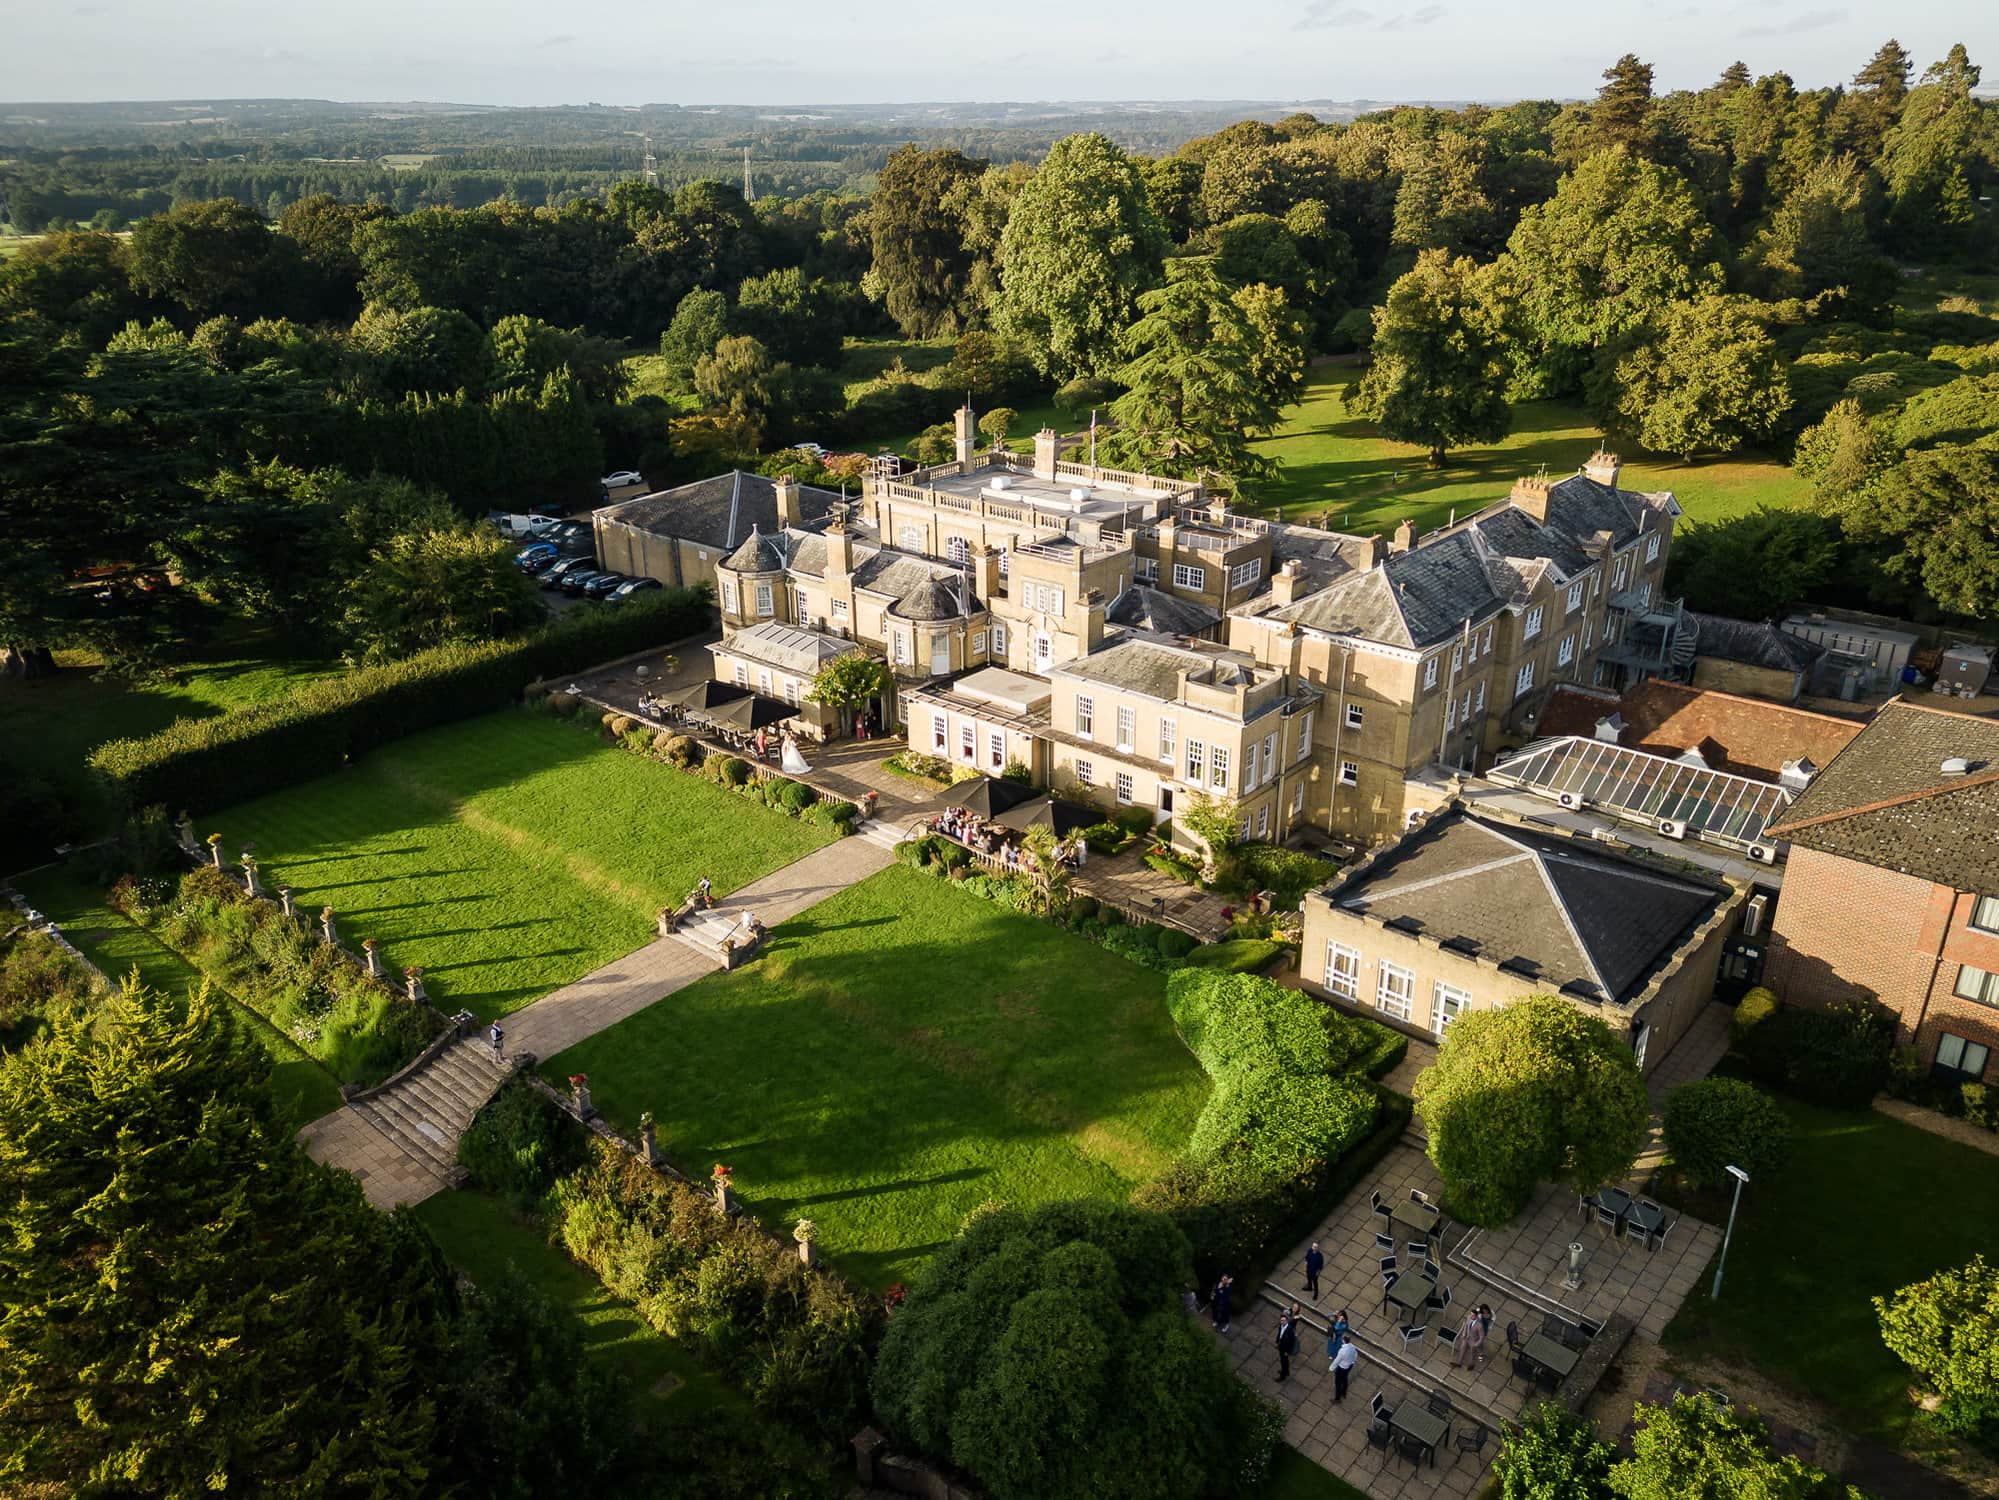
[[1440, 1300], [1378, 1404], [1549, 1380], [1417, 1195], [1413, 1449], [1386, 1278], [1585, 1203], [1658, 1241], [1439, 1404], [1413, 1334], [1388, 1263], [1526, 1369], [1379, 1436], [1470, 1439], [1513, 1340], [1553, 1326], [1418, 1249], [1379, 1207], [1605, 1219], [1589, 1330], [1385, 1242], [1431, 1269], [1633, 1230]]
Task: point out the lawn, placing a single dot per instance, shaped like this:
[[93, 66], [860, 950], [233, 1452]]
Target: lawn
[[1337, 462], [509, 854], [902, 1053], [1295, 1477], [1816, 1240], [117, 947], [482, 1237]]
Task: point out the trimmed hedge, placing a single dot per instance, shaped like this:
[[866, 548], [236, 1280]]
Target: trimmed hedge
[[1839, 1057], [1713, 1122], [1236, 955], [1756, 1007], [203, 764]]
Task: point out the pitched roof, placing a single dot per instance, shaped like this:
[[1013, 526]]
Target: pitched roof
[[1885, 799], [787, 646], [758, 554], [1579, 509], [1415, 598], [1753, 643], [1551, 908], [1142, 607], [1743, 736], [931, 599], [1137, 666], [718, 511]]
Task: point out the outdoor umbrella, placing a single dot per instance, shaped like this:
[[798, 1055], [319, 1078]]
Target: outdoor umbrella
[[753, 711], [706, 697], [989, 797], [1055, 813]]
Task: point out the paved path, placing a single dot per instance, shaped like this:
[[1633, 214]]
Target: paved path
[[388, 1174]]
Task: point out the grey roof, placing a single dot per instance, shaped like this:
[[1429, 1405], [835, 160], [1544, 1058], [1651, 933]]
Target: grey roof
[[1713, 806], [877, 569], [1754, 644], [1885, 800], [758, 554], [932, 599], [1415, 598], [1578, 509], [1545, 906], [1138, 667], [718, 511], [780, 645], [1142, 607]]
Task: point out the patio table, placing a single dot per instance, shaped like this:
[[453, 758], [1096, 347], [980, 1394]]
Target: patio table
[[1421, 1287], [1418, 1218], [1551, 1355], [1411, 1420], [1649, 1217]]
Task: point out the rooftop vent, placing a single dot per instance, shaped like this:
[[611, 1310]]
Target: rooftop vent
[[1957, 765], [1004, 482], [1079, 494]]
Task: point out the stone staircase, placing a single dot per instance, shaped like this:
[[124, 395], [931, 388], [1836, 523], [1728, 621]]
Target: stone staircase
[[706, 931], [426, 1108]]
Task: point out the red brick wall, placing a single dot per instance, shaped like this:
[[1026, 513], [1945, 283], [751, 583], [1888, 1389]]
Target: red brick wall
[[1846, 929]]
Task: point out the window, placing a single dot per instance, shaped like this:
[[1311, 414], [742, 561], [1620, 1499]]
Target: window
[[1447, 1004], [1976, 984], [1124, 787], [1533, 624], [978, 643], [1457, 657], [939, 732], [742, 675], [940, 654], [909, 538], [1043, 597], [1450, 715], [791, 690], [999, 639], [1349, 773], [1148, 570], [1297, 798], [1086, 716], [1524, 683], [1393, 994], [1166, 739], [1086, 774], [1269, 756], [1242, 575], [1488, 641], [1985, 913], [996, 749], [763, 681], [968, 741], [1127, 726], [1645, 593], [1005, 561], [902, 648], [1218, 767], [1343, 971], [1263, 822], [1305, 735], [957, 549], [1471, 655], [765, 604], [1430, 672], [1479, 706], [1566, 652], [1575, 597], [1186, 577], [1589, 634], [839, 609], [1652, 547], [1353, 715], [729, 595], [1197, 760], [799, 612], [1960, 1058], [1622, 572]]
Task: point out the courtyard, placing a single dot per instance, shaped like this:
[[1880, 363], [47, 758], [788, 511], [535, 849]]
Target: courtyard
[[898, 1055]]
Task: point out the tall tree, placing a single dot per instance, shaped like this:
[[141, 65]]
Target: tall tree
[[922, 268], [1624, 104], [1931, 156], [741, 379], [1875, 101], [1939, 511], [217, 256], [1081, 244], [1703, 377], [1439, 372], [1818, 242]]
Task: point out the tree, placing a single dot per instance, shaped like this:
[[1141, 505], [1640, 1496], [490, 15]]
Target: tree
[[210, 257], [1714, 1123], [1553, 1454], [1081, 244], [796, 317], [188, 1304], [79, 282], [1536, 1092], [1694, 1447], [1218, 823], [996, 426], [1439, 373], [1045, 1353], [1623, 104], [699, 324], [1876, 98], [1939, 510], [444, 581], [922, 268], [1946, 1329], [849, 682], [1928, 157], [1702, 377], [1817, 242], [1195, 397], [1840, 453], [1757, 565], [740, 379], [323, 229], [522, 352], [423, 349]]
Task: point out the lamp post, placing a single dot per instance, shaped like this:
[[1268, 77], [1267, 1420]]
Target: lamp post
[[1727, 1234]]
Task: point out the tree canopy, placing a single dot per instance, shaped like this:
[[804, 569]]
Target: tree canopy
[[1439, 373]]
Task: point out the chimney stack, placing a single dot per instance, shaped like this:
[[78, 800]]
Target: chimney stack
[[965, 438], [790, 507], [1530, 497], [1286, 581], [1046, 448], [839, 550], [986, 573], [1405, 537], [1091, 624], [1602, 467]]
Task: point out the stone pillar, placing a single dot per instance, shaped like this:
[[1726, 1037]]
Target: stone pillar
[[326, 925], [649, 1139], [669, 921], [285, 901], [730, 957], [371, 954], [185, 828], [413, 986], [579, 1095], [867, 1443], [250, 882], [724, 1202], [805, 1234], [215, 850]]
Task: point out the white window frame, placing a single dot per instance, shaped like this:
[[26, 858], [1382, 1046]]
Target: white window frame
[[1218, 767], [957, 549], [1488, 640], [999, 638], [1343, 971], [1086, 716], [1086, 773], [1269, 755], [766, 603], [996, 748], [1533, 626], [1166, 747], [902, 649], [1349, 773], [1188, 576], [763, 681], [729, 595], [1197, 762], [1440, 995], [1430, 672], [1964, 1045], [968, 742], [940, 733], [1395, 991], [1127, 727], [1355, 716], [1566, 652], [742, 675], [1297, 798], [1124, 788], [1652, 547], [839, 609], [1984, 915], [1979, 986], [978, 643], [1575, 597], [1479, 707], [1458, 657], [1242, 575], [909, 538], [1263, 822], [1148, 570], [1523, 684], [1305, 735]]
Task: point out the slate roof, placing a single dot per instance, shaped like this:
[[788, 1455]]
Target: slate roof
[[1559, 911], [1753, 644], [1578, 509], [788, 646], [877, 569], [1141, 607], [1884, 800], [1138, 667], [1743, 736], [1414, 599], [758, 554], [718, 511], [932, 599]]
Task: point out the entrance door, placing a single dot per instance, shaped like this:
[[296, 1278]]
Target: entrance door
[[1450, 1005], [1165, 803], [1044, 652]]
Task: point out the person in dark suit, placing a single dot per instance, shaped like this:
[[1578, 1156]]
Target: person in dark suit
[[1218, 1305], [1315, 1262], [1287, 1343]]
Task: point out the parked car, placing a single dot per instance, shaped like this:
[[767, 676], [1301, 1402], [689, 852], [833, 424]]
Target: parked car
[[543, 553], [621, 478], [633, 586], [573, 582], [600, 586], [534, 567], [553, 576]]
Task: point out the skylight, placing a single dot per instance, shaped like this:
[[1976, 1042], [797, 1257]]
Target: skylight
[[1670, 796]]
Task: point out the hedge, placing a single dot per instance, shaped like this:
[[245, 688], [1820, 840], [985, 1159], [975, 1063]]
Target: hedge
[[203, 764], [1839, 1056], [1713, 1123]]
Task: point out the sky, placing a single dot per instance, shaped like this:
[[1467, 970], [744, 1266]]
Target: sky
[[530, 52]]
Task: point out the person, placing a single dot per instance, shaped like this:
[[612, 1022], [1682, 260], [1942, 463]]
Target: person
[[1336, 1336], [752, 926], [1315, 1262], [1484, 1326], [1287, 1342], [1344, 1359], [1471, 1339], [789, 759], [1218, 1304], [763, 745], [860, 726], [704, 893], [1191, 1300], [499, 1040]]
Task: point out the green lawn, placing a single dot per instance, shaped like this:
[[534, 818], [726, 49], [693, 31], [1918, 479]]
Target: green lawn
[[481, 1237], [509, 854], [1866, 1205], [1295, 1477], [1337, 462], [117, 947], [902, 1053]]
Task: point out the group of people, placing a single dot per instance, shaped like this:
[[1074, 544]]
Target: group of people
[[993, 839], [658, 708]]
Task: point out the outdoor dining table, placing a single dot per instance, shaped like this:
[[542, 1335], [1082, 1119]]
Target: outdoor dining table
[[1418, 1218], [1551, 1354], [1617, 1201], [1422, 1425], [1422, 1286], [1649, 1217]]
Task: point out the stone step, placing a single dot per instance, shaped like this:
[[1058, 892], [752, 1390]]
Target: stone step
[[707, 930], [398, 1127], [420, 1122], [455, 1080], [449, 1112]]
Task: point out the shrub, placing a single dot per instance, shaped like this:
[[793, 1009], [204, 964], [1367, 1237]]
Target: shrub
[[1553, 1453], [1133, 820], [795, 796], [1082, 909], [519, 1143], [1286, 873], [950, 855], [319, 726], [733, 771], [40, 981], [920, 767], [1946, 1329], [1166, 862], [638, 740], [1104, 838], [1713, 1122], [1236, 955], [1174, 943], [1138, 944], [682, 751], [563, 704], [1016, 770], [1079, 395], [1756, 1007], [1838, 1057]]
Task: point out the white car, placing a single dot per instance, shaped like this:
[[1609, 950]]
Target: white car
[[622, 478], [812, 448]]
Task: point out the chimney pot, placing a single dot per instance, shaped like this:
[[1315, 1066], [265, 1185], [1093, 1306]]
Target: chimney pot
[[1530, 496], [1405, 537], [1602, 467]]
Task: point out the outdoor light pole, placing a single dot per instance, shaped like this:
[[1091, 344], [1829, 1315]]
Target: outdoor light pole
[[1727, 1234]]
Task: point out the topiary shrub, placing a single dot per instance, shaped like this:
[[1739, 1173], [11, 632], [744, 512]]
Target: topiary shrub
[[734, 771], [1714, 1122], [951, 856], [564, 704], [618, 725], [1173, 943], [1082, 908], [681, 750], [638, 740], [796, 796], [1017, 771], [1756, 1007], [1839, 1056]]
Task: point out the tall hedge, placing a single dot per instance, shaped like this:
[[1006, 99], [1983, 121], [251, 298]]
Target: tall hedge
[[203, 764]]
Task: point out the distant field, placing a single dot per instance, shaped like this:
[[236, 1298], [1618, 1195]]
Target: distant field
[[1336, 462]]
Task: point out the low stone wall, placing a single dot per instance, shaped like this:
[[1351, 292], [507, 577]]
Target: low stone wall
[[1597, 1357], [53, 932]]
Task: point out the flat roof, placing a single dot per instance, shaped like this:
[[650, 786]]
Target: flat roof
[[1700, 803], [1054, 498], [997, 685]]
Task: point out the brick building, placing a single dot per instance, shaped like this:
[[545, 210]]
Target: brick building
[[1892, 887]]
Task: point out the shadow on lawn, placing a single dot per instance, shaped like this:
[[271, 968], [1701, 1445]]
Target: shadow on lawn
[[936, 1179]]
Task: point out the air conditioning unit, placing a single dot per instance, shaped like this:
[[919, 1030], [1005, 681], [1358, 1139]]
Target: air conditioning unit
[[1569, 799], [1763, 854], [1673, 828], [1753, 915], [1604, 836]]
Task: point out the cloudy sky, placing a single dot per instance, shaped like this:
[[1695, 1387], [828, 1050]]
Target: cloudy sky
[[847, 51]]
